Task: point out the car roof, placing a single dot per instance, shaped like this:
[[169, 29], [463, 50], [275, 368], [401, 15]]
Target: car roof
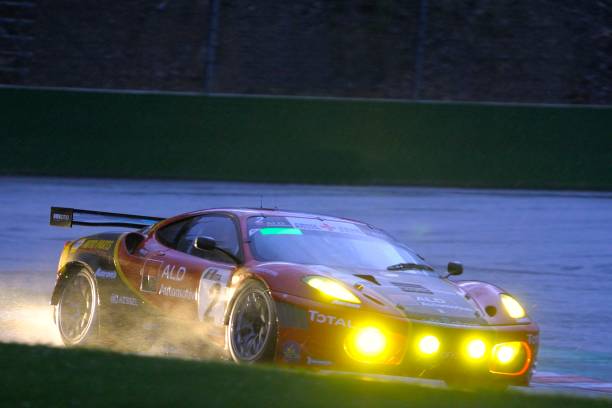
[[273, 212]]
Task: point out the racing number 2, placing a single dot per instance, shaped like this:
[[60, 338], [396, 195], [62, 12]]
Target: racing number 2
[[211, 294]]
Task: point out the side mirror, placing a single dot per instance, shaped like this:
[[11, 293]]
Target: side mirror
[[454, 268], [205, 243], [210, 244]]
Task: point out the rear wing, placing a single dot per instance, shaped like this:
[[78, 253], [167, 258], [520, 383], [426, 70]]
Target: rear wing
[[65, 217]]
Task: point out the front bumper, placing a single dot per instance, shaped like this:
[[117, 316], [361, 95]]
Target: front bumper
[[315, 334]]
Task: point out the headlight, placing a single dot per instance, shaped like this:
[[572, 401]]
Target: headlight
[[331, 288], [514, 308]]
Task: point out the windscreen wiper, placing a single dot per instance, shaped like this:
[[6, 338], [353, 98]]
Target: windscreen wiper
[[409, 266]]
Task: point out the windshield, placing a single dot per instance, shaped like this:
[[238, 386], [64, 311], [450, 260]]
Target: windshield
[[321, 242]]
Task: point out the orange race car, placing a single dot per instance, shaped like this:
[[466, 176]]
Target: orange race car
[[297, 289]]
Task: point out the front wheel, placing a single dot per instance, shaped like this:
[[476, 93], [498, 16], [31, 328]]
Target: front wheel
[[252, 328], [77, 310]]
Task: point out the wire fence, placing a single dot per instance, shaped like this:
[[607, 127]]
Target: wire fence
[[470, 50]]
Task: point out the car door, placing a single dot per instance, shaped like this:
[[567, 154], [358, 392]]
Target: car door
[[193, 282]]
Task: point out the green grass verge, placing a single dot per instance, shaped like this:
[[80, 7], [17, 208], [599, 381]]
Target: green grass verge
[[43, 376]]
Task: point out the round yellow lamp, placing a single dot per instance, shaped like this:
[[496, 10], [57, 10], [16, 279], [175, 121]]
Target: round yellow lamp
[[505, 353], [476, 349], [370, 341], [429, 345]]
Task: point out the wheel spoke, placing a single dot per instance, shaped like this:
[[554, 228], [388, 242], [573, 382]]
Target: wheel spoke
[[251, 326]]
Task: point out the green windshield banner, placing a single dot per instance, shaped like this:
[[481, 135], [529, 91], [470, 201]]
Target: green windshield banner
[[280, 231]]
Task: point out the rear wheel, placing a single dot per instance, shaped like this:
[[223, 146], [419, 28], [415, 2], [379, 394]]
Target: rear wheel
[[77, 310], [252, 329]]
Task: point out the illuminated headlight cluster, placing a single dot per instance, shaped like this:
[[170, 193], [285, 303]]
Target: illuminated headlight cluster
[[511, 358], [512, 306], [331, 289]]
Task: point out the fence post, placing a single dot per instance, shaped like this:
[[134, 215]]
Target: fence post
[[211, 44], [420, 49]]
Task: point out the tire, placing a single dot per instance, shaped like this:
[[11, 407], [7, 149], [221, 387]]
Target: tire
[[77, 310], [252, 329]]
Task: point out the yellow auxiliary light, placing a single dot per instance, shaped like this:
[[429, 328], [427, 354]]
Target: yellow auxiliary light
[[506, 352], [332, 288], [476, 349], [429, 344], [369, 344], [514, 308], [370, 341]]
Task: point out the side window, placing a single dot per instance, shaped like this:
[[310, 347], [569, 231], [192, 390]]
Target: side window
[[221, 228], [169, 234]]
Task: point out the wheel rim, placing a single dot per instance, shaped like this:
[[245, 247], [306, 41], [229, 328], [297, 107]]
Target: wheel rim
[[251, 326], [76, 308]]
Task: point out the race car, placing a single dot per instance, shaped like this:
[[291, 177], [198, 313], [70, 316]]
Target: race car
[[296, 289]]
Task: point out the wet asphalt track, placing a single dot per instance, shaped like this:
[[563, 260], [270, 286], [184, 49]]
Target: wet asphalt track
[[553, 250]]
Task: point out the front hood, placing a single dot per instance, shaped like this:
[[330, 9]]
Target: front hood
[[413, 293]]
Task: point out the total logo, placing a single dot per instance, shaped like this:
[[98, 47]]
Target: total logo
[[171, 272], [329, 319]]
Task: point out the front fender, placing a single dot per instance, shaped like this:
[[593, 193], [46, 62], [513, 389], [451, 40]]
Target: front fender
[[487, 297]]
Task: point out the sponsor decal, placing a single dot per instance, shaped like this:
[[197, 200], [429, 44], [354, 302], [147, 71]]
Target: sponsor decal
[[312, 361], [329, 226], [291, 352], [213, 274], [329, 319], [98, 244], [124, 300], [533, 339], [271, 222], [440, 304], [431, 300], [61, 217], [212, 294], [171, 272], [102, 274], [176, 292]]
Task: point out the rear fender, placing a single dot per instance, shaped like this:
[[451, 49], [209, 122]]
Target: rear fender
[[95, 264], [64, 275]]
